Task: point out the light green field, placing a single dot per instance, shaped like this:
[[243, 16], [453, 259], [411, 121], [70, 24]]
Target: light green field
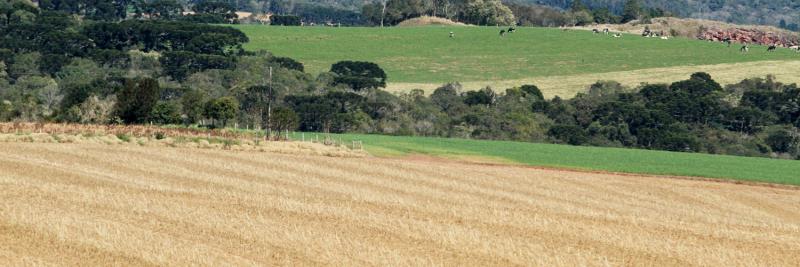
[[416, 56], [583, 158]]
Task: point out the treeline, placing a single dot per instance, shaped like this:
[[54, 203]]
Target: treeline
[[476, 12], [577, 13], [55, 67]]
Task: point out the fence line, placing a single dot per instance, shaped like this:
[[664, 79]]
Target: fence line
[[153, 130]]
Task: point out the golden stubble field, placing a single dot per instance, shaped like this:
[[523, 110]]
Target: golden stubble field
[[568, 86], [98, 204]]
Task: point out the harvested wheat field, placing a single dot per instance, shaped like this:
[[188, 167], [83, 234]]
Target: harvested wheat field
[[97, 204]]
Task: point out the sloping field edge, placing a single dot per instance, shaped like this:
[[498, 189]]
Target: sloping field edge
[[568, 85], [490, 162]]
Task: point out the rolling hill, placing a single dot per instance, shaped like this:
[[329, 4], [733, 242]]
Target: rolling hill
[[561, 62]]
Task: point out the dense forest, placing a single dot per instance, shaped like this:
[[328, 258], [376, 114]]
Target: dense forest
[[782, 13], [153, 67]]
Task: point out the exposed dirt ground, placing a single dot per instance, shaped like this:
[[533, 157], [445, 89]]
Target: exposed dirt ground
[[97, 204]]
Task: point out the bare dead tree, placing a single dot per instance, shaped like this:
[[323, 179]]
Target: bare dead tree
[[383, 11]]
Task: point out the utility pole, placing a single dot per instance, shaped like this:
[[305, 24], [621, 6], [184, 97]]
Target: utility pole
[[269, 105]]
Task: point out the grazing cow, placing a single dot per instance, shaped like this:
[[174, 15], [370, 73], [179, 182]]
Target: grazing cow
[[595, 31], [606, 31], [646, 32], [511, 29], [772, 48], [664, 38], [795, 48], [728, 41], [617, 35], [744, 48], [502, 33]]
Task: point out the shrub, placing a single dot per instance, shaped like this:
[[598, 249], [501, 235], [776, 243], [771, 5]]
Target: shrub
[[137, 99], [285, 20], [570, 134], [166, 113], [222, 110], [124, 137]]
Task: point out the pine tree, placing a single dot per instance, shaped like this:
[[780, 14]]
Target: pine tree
[[631, 11], [578, 5]]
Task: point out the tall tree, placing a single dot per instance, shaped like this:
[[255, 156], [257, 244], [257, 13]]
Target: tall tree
[[632, 10], [137, 99], [359, 75]]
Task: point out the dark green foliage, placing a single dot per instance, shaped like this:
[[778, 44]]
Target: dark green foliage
[[568, 134], [93, 9], [784, 140], [605, 16], [482, 97], [166, 35], [137, 99], [288, 63], [222, 110], [748, 120], [52, 63], [158, 9], [111, 57], [284, 119], [193, 105], [632, 10], [166, 112], [532, 91], [214, 12], [319, 13], [359, 75], [285, 20], [448, 99], [180, 64], [333, 112]]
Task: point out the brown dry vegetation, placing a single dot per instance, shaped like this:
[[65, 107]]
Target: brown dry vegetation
[[683, 27], [155, 136], [568, 85], [428, 21], [95, 204]]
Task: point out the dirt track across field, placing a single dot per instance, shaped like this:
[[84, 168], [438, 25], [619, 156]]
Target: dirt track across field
[[97, 204]]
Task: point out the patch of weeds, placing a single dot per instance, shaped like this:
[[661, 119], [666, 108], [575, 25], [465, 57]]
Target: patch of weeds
[[124, 137], [180, 140], [160, 136], [140, 142], [227, 143]]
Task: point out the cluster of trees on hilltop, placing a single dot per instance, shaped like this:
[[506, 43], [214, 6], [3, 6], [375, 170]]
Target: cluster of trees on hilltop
[[116, 10], [579, 13]]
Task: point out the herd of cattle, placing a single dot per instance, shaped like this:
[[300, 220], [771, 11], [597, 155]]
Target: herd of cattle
[[652, 34]]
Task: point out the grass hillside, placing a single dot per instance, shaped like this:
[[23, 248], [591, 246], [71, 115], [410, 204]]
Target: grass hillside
[[585, 158], [417, 56]]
